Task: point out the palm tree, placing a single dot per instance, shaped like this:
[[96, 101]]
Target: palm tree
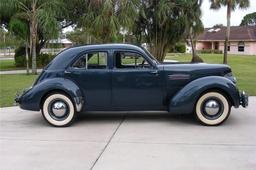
[[105, 18], [194, 26], [40, 14], [231, 5], [20, 29]]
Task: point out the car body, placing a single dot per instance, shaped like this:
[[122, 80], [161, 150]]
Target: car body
[[122, 77]]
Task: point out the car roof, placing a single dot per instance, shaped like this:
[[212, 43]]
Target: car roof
[[107, 46], [66, 56]]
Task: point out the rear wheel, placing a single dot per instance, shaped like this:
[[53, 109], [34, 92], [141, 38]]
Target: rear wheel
[[58, 110], [212, 108]]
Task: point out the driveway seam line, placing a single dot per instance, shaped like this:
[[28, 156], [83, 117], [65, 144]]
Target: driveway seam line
[[109, 141]]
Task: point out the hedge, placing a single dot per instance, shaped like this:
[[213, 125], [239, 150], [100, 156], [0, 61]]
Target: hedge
[[209, 51]]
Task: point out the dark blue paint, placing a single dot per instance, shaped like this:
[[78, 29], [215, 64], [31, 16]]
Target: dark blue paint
[[186, 98], [169, 87]]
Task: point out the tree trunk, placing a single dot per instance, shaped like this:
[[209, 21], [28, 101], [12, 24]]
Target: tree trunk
[[159, 50], [33, 32], [39, 46], [27, 63], [193, 48], [225, 59]]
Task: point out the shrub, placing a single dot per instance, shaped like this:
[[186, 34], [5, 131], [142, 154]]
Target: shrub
[[180, 48], [209, 51], [44, 59], [20, 58], [217, 51], [205, 51], [20, 61]]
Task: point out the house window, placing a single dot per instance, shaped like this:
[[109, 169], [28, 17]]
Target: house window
[[229, 46], [241, 46]]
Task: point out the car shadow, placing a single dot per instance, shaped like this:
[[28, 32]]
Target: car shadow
[[99, 117], [138, 117]]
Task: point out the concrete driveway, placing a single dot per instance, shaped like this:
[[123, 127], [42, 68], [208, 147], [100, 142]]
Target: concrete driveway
[[128, 142]]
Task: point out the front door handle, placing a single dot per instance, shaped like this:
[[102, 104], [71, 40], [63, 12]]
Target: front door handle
[[67, 72], [154, 72]]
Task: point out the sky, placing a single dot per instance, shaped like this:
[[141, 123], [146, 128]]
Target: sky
[[211, 17]]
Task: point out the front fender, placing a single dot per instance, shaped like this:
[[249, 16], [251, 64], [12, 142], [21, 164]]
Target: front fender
[[185, 100], [31, 100]]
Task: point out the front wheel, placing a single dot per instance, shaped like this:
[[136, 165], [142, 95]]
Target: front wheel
[[212, 108], [58, 110]]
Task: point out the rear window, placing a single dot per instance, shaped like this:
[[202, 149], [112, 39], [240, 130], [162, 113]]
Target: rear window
[[62, 60], [92, 60]]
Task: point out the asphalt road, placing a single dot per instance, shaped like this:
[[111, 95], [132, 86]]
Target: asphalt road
[[128, 142]]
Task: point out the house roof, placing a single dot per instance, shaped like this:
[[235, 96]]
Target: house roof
[[60, 41], [237, 33]]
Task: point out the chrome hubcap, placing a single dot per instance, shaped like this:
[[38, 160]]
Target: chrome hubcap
[[59, 109], [212, 107]]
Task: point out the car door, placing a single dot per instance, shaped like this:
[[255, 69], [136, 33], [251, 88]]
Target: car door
[[136, 84], [91, 72]]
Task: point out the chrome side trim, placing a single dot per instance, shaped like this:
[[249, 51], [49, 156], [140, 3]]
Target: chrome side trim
[[179, 76]]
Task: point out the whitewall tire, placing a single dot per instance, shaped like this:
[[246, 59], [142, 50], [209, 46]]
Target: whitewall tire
[[58, 110], [212, 108]]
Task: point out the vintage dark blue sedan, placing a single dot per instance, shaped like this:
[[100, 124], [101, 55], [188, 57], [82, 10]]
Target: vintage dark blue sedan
[[121, 77]]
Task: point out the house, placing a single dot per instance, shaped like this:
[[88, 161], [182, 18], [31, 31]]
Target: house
[[63, 43], [242, 39]]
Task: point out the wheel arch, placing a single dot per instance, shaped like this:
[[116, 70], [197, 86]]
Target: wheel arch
[[184, 100], [219, 90], [53, 91], [32, 100]]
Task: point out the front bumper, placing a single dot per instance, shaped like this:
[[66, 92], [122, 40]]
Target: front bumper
[[244, 99]]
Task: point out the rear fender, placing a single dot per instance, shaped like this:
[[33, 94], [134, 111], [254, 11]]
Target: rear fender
[[185, 100], [32, 99]]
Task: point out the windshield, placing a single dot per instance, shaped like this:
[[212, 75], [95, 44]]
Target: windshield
[[151, 56]]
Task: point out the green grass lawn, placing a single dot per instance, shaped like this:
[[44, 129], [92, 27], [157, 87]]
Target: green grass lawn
[[8, 65], [11, 84], [243, 67]]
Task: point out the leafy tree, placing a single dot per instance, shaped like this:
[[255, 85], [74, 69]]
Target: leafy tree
[[162, 23], [249, 19], [231, 5], [193, 24], [8, 39], [80, 36], [39, 14]]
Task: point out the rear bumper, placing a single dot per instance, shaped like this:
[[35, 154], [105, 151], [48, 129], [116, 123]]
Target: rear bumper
[[18, 99], [25, 101], [244, 99]]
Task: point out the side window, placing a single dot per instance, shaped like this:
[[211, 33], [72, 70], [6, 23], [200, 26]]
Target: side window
[[130, 60], [93, 60]]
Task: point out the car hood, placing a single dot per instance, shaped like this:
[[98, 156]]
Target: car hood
[[196, 70]]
